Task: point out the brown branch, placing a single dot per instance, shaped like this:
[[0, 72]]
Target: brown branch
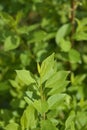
[[72, 19]]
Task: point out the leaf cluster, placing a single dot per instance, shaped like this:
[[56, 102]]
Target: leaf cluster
[[43, 65]]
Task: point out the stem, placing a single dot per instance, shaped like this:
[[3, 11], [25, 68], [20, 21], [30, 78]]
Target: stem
[[72, 19], [42, 100]]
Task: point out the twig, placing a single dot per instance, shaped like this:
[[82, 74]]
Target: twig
[[72, 19]]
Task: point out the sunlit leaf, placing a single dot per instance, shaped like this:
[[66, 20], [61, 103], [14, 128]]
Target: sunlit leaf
[[74, 56], [80, 36], [47, 125], [12, 126], [70, 122], [47, 68], [65, 45], [61, 87], [55, 100], [28, 118], [56, 79], [25, 76], [81, 121], [62, 32]]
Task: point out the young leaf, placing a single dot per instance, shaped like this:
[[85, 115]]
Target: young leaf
[[28, 100], [47, 68], [81, 120], [60, 87], [70, 124], [25, 76], [57, 82], [12, 126], [28, 120], [55, 100], [41, 106], [56, 78], [47, 125]]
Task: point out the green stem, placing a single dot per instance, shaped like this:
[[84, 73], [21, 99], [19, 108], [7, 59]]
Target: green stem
[[42, 99]]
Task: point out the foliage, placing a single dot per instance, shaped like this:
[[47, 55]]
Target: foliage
[[43, 65]]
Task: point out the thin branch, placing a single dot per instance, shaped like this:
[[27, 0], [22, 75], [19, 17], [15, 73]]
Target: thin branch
[[72, 19]]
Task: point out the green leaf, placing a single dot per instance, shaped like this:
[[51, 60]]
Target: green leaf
[[36, 128], [47, 125], [38, 36], [7, 19], [52, 114], [12, 126], [55, 100], [81, 31], [80, 36], [25, 76], [49, 36], [65, 45], [28, 118], [81, 120], [25, 29], [56, 78], [60, 87], [28, 100], [57, 82], [77, 79], [18, 18], [15, 84], [62, 32], [33, 27], [82, 25], [41, 106], [70, 122], [11, 42], [47, 68], [74, 56], [37, 105], [54, 121], [24, 59]]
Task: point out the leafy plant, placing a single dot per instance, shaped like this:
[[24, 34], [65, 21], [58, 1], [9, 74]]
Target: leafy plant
[[45, 95], [30, 31]]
